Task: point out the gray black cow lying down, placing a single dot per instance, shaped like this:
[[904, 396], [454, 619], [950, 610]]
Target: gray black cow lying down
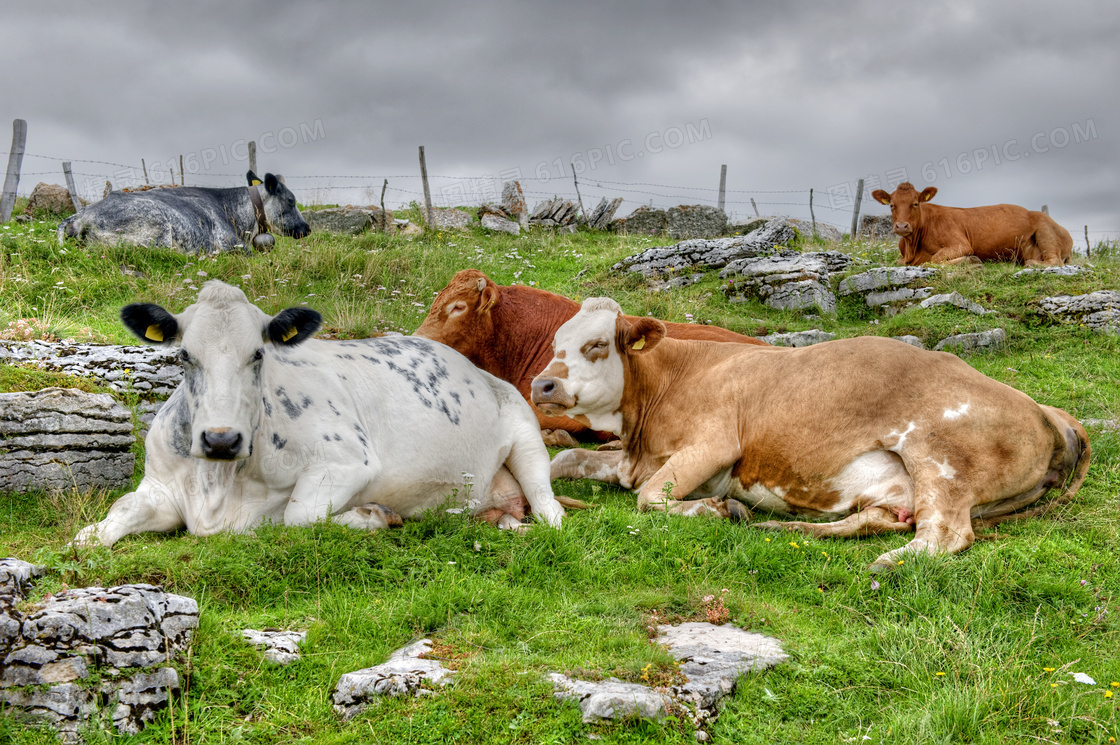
[[872, 433], [271, 425], [190, 219]]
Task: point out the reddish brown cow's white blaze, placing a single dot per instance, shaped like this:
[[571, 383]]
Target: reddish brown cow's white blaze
[[872, 433]]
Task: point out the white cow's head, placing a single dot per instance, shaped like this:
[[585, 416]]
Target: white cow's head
[[587, 375], [223, 340]]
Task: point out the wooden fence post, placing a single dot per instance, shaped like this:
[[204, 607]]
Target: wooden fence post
[[145, 167], [1088, 248], [1046, 209], [384, 217], [15, 162], [182, 173], [70, 186], [811, 215], [722, 185], [253, 156], [855, 214], [429, 216], [755, 208], [575, 181]]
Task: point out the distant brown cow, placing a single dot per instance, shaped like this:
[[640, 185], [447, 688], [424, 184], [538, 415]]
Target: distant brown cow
[[949, 235], [507, 331]]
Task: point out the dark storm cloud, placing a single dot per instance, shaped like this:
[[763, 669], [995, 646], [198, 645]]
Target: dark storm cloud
[[791, 96]]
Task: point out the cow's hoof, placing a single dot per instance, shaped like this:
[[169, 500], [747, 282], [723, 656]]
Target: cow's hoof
[[769, 525], [558, 438], [736, 511], [879, 567], [612, 445]]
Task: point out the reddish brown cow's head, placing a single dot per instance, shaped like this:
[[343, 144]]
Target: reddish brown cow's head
[[906, 206], [460, 314]]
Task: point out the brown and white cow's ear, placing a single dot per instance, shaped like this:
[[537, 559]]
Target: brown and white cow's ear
[[150, 322], [881, 196], [927, 194], [641, 336], [488, 298], [293, 326]]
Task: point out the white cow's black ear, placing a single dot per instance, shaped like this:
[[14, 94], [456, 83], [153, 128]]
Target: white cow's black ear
[[252, 178], [271, 183], [150, 322], [293, 326]]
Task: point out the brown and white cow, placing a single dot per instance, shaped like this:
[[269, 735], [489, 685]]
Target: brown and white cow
[[508, 331], [872, 433], [1000, 232]]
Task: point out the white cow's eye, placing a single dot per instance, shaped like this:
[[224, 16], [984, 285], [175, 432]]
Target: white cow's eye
[[257, 356], [184, 356]]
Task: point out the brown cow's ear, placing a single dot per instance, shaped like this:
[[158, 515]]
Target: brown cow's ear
[[487, 299], [927, 194], [881, 196], [642, 335]]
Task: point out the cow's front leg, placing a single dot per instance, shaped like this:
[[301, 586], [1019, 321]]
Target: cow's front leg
[[599, 465], [960, 253], [323, 492], [684, 472], [148, 509]]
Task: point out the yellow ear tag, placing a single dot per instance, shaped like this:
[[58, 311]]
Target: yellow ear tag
[[290, 333], [639, 344], [153, 333], [256, 182]]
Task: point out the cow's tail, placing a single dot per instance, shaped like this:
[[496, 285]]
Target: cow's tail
[[71, 227], [570, 503]]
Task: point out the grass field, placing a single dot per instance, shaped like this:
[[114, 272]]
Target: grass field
[[977, 647]]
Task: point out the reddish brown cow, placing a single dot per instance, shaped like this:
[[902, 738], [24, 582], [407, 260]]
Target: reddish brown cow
[[507, 331], [1001, 232], [872, 433]]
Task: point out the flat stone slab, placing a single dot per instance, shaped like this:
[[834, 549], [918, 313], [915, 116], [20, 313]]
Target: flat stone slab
[[889, 289], [1069, 270], [1098, 310], [281, 647], [59, 438], [403, 674], [500, 224], [956, 300], [979, 341], [149, 370], [797, 282], [712, 659], [798, 338]]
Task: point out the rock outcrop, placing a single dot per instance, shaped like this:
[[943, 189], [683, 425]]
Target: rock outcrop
[[59, 438]]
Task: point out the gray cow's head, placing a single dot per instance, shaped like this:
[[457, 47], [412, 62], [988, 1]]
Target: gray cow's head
[[223, 340], [280, 206]]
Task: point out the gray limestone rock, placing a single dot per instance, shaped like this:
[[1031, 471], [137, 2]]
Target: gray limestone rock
[[600, 217], [799, 282], [451, 219], [1069, 270], [707, 254], [683, 221], [876, 227], [913, 341], [712, 658], [513, 201], [148, 370], [1098, 310], [58, 438], [127, 634], [281, 647], [824, 231], [16, 575], [676, 283], [889, 289], [345, 220], [798, 338], [555, 213], [402, 674], [980, 341], [493, 222], [957, 301]]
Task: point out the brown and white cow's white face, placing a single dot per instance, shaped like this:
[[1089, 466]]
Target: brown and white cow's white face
[[587, 375], [906, 206], [223, 340]]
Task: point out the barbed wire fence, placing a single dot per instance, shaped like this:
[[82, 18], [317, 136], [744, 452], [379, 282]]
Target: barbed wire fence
[[406, 190]]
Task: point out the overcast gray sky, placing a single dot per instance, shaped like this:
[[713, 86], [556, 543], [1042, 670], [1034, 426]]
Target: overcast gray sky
[[990, 102]]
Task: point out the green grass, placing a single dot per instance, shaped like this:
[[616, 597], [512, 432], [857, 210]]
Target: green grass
[[946, 649]]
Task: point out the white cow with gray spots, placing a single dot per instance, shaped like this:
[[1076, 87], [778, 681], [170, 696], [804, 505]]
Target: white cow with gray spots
[[271, 425]]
